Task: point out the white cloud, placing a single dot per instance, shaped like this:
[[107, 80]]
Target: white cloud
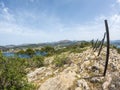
[[118, 1], [114, 26], [12, 32], [18, 34], [5, 12]]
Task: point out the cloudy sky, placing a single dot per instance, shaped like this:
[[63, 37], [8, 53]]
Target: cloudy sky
[[37, 21]]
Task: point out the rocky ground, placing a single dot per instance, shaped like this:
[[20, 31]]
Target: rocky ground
[[84, 72]]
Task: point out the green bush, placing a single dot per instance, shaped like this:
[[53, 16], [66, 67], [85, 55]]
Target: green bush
[[84, 44], [30, 52], [118, 50], [59, 51], [48, 49], [115, 47], [59, 61], [21, 52], [36, 62], [13, 74], [79, 50]]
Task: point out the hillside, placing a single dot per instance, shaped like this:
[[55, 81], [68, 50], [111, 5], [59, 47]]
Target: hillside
[[81, 71], [62, 43]]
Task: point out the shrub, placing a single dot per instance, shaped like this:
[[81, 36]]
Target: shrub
[[38, 61], [79, 50], [84, 44], [113, 46], [118, 50], [59, 61], [13, 74], [30, 52], [48, 49], [21, 52]]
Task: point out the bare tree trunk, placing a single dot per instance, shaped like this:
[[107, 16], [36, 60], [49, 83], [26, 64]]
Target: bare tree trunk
[[108, 47], [101, 45], [95, 44]]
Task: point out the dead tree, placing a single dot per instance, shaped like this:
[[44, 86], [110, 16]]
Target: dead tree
[[98, 45], [92, 42], [108, 47], [95, 44], [101, 45]]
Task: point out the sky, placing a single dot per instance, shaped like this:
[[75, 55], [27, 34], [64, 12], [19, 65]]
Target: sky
[[38, 21]]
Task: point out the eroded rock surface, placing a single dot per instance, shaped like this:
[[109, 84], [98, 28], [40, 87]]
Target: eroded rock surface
[[85, 72]]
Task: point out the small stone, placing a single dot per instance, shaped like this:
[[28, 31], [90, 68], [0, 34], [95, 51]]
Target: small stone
[[95, 80], [94, 68], [83, 84], [78, 88]]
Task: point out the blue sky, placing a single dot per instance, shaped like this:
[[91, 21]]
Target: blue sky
[[37, 21]]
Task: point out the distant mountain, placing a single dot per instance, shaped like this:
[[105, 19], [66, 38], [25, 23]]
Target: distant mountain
[[3, 48], [9, 46], [61, 43], [64, 41]]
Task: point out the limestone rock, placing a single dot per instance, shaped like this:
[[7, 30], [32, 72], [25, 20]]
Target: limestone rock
[[107, 82], [60, 82], [33, 75], [83, 84]]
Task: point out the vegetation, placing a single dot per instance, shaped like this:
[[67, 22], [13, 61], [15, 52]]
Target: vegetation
[[30, 52], [13, 69], [118, 50], [59, 61], [13, 74], [36, 62], [115, 47], [21, 52], [77, 48], [49, 50]]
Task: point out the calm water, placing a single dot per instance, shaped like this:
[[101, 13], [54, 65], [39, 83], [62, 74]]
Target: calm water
[[11, 54], [38, 53], [8, 54]]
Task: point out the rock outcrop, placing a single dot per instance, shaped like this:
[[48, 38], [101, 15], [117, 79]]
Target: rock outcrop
[[84, 73]]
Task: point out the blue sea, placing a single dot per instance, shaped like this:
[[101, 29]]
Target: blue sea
[[12, 54]]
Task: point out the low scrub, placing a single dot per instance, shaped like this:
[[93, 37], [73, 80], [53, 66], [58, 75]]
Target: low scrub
[[118, 50], [13, 74], [61, 60], [36, 62]]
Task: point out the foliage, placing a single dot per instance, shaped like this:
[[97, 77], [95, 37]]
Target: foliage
[[59, 61], [115, 47], [48, 49], [118, 50], [30, 52], [21, 52], [84, 44], [13, 74], [36, 61], [78, 50]]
